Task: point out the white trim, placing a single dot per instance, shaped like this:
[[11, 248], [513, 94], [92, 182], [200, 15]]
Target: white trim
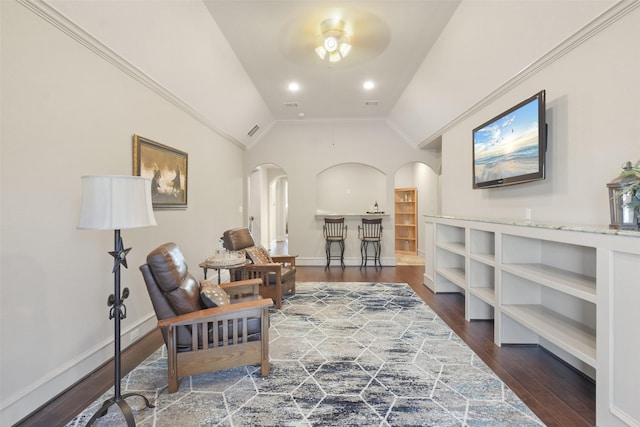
[[624, 417], [58, 20], [603, 21], [84, 363]]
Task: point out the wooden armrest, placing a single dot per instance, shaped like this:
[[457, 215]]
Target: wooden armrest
[[270, 267], [242, 287], [211, 314], [287, 259]]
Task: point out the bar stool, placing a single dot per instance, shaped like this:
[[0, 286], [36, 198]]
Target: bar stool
[[370, 232], [334, 231]]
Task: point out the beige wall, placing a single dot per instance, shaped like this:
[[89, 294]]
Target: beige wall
[[304, 149], [66, 112], [594, 123]]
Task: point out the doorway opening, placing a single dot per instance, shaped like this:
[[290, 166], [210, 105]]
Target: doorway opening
[[268, 206], [426, 183]]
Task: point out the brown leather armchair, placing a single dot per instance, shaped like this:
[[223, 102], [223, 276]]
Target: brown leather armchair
[[278, 272], [201, 339]]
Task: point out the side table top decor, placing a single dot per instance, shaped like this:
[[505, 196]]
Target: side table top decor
[[223, 259]]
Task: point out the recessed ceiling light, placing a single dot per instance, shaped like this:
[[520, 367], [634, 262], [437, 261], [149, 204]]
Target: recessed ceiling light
[[368, 85], [294, 87]]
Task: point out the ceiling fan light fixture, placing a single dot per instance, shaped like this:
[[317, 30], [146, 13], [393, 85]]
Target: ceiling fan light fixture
[[331, 44], [334, 41]]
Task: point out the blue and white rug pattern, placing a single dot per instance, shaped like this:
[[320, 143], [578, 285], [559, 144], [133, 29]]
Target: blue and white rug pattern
[[341, 354]]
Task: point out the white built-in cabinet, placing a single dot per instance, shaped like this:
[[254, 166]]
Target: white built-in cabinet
[[573, 290]]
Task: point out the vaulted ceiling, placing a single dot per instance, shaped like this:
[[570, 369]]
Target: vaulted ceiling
[[275, 42], [231, 61], [228, 63]]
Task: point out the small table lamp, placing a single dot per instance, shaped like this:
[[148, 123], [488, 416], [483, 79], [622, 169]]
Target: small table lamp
[[115, 203]]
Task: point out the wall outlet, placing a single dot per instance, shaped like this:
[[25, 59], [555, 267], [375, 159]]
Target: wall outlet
[[134, 334]]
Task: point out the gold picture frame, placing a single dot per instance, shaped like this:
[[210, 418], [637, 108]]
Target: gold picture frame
[[167, 169]]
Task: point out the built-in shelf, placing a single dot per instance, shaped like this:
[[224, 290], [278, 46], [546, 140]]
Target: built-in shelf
[[568, 334], [569, 289], [406, 220], [570, 283]]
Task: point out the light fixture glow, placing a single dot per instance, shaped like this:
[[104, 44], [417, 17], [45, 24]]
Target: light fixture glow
[[334, 43], [331, 44], [368, 85], [294, 87]]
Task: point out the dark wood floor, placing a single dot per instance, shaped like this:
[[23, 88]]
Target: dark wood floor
[[557, 393]]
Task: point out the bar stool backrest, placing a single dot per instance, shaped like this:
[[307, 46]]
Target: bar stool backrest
[[371, 229], [334, 229]]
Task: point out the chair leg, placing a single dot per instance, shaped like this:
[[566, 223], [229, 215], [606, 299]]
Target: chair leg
[[328, 252], [327, 249]]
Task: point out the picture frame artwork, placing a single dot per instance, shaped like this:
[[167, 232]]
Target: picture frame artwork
[[167, 169]]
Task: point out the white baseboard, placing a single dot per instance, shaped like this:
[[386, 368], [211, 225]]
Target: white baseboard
[[25, 401]]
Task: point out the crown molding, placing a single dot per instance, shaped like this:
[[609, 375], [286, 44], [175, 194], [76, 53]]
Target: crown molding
[[61, 22], [607, 18]]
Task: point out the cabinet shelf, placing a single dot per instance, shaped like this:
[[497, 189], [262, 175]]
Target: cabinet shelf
[[454, 247], [577, 285], [571, 336], [487, 295], [455, 275], [489, 259]]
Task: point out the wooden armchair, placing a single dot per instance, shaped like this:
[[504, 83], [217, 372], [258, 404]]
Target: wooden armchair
[[201, 339], [277, 272]]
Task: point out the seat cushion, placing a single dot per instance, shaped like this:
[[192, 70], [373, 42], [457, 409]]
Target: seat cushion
[[212, 295]]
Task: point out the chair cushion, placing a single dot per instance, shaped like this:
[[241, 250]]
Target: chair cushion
[[258, 255], [169, 268], [212, 295], [237, 238]]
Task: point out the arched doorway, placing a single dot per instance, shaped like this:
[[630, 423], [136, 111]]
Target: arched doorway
[[268, 204]]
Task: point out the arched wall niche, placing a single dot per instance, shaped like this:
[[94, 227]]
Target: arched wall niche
[[350, 188]]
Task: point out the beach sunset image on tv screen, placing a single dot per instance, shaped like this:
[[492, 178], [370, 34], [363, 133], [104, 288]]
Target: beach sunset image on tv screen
[[508, 146]]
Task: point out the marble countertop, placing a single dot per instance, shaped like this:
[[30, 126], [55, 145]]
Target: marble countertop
[[597, 229], [349, 215]]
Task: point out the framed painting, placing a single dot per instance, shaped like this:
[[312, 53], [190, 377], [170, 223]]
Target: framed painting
[[166, 167]]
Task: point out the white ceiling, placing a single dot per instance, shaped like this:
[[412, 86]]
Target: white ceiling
[[275, 43], [228, 62]]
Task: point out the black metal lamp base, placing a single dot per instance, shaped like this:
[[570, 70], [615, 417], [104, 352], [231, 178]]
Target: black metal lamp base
[[117, 312], [124, 407]]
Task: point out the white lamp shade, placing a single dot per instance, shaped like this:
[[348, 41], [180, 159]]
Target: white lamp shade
[[116, 203]]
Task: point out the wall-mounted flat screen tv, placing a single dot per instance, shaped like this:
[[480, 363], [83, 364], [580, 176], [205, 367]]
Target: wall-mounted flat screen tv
[[510, 148]]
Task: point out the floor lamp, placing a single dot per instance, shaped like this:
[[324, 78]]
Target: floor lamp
[[116, 203]]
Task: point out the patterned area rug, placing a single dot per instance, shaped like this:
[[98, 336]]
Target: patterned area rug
[[342, 354]]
